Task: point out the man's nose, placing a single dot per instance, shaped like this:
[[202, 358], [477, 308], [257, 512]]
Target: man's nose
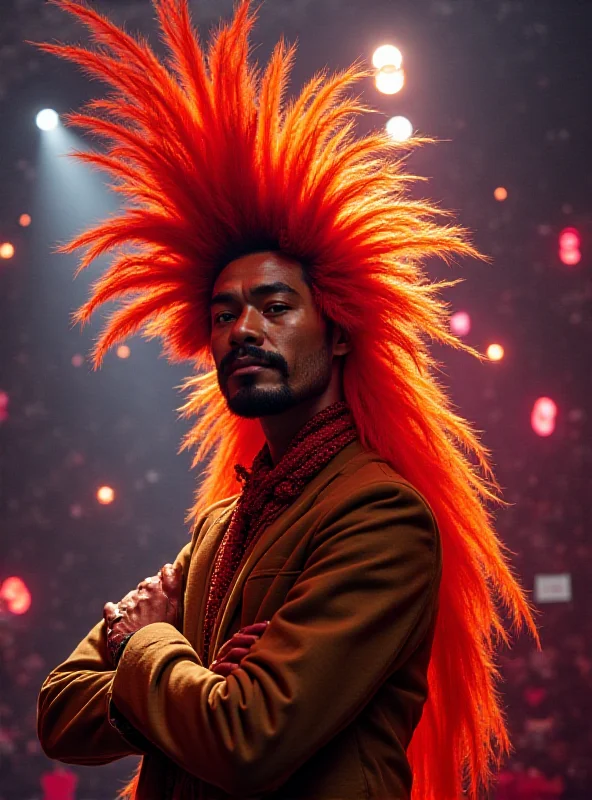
[[247, 329]]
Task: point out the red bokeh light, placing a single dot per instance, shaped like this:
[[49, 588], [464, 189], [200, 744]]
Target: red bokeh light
[[16, 595], [543, 416], [569, 239], [3, 406], [569, 247]]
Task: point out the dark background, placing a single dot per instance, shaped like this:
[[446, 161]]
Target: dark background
[[506, 87]]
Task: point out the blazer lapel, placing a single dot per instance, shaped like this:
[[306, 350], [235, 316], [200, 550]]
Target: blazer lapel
[[260, 546], [199, 578]]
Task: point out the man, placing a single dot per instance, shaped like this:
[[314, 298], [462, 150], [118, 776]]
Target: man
[[353, 578]]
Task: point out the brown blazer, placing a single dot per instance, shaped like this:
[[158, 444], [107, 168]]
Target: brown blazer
[[324, 705]]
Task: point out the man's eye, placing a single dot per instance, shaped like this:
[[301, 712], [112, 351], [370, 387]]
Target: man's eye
[[279, 307], [218, 317]]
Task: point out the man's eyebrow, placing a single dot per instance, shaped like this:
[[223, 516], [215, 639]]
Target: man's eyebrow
[[256, 291]]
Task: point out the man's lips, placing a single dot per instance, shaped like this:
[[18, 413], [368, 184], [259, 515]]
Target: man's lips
[[237, 369]]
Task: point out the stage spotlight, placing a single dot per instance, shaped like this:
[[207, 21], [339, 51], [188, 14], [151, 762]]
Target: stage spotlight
[[495, 352], [460, 323], [390, 80], [105, 495], [543, 416], [399, 128], [47, 120], [387, 56]]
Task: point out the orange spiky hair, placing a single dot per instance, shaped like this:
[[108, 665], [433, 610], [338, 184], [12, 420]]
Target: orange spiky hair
[[214, 164]]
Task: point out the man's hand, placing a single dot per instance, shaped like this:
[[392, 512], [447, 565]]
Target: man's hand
[[236, 648], [156, 599]]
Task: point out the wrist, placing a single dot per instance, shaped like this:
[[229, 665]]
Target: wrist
[[116, 645]]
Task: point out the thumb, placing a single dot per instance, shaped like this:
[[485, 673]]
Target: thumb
[[172, 581]]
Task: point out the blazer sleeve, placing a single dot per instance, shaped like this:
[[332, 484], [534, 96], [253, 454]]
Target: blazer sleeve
[[73, 711], [363, 603]]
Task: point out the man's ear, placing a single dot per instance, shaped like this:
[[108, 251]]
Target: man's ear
[[341, 341]]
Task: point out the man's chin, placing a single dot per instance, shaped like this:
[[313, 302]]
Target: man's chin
[[252, 402]]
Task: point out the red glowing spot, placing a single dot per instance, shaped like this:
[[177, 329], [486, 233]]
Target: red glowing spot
[[3, 406], [569, 247], [569, 239], [570, 257], [16, 595], [543, 415], [460, 323]]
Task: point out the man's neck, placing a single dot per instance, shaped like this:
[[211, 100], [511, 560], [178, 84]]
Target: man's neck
[[280, 429]]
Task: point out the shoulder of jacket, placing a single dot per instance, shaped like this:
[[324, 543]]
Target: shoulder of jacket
[[212, 514], [368, 471]]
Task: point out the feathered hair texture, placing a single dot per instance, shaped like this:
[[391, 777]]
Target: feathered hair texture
[[214, 164]]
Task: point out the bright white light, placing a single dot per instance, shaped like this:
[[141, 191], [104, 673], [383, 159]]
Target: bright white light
[[47, 120], [387, 56], [389, 80], [399, 128]]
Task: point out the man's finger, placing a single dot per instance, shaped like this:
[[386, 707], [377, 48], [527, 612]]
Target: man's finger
[[172, 580], [224, 668], [236, 641], [236, 654], [256, 629]]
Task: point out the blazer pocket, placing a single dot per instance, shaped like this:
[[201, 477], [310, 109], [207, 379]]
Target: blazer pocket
[[264, 593]]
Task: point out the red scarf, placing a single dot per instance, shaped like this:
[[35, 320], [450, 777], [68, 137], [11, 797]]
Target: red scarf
[[268, 491]]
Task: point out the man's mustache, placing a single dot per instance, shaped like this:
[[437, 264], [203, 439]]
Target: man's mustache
[[267, 359]]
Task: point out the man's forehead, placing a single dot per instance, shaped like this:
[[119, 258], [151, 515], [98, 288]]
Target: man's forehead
[[250, 273]]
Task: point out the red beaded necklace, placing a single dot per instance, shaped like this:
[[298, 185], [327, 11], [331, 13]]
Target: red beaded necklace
[[269, 490]]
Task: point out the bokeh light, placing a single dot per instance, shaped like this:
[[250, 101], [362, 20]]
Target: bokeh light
[[495, 352], [501, 194], [389, 80], [6, 250], [543, 416], [569, 247], [569, 239], [123, 351], [47, 120], [105, 495], [570, 257], [399, 128], [387, 55], [77, 360], [4, 400], [24, 220], [460, 323], [15, 595]]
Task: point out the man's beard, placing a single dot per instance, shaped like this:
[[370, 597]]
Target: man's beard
[[252, 400]]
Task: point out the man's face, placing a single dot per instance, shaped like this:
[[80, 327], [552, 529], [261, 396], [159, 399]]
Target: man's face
[[262, 309]]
